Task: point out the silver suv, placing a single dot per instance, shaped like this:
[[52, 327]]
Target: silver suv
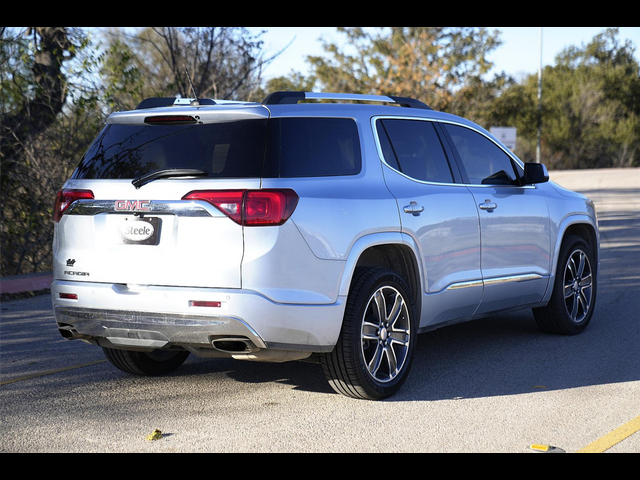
[[325, 227]]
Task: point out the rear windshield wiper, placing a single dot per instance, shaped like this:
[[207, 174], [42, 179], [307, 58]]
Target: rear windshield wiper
[[144, 180]]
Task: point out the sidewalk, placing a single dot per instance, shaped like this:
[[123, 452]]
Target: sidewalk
[[594, 180]]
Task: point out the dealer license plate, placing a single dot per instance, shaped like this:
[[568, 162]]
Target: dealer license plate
[[140, 231]]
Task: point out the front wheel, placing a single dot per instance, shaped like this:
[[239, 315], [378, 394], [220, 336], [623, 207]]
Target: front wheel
[[376, 348], [154, 364], [574, 296]]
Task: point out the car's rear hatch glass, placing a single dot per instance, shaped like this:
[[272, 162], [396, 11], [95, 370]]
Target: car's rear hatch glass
[[221, 150]]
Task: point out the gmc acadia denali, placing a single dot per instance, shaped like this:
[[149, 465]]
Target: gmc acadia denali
[[326, 227]]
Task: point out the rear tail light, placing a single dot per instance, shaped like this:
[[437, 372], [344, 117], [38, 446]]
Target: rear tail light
[[251, 208], [66, 198], [269, 207], [228, 202]]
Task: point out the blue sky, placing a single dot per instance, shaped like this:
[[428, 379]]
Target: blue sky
[[519, 54]]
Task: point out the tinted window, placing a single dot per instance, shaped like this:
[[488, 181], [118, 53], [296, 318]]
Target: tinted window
[[228, 150], [485, 163], [312, 147], [415, 149], [387, 149]]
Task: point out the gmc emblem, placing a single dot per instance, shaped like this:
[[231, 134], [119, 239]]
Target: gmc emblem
[[133, 206]]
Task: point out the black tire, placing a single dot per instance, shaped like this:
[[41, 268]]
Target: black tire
[[366, 342], [575, 292], [153, 364]]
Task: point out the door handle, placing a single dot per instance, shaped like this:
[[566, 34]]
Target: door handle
[[489, 206], [414, 209]]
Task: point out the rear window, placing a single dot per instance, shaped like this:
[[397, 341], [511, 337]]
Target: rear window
[[226, 150], [313, 147]]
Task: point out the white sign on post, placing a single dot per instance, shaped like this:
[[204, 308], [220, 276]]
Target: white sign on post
[[507, 135]]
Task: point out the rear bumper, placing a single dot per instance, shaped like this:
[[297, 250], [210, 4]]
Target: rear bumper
[[147, 318]]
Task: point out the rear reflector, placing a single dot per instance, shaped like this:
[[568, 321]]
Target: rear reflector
[[205, 304], [66, 198], [68, 296], [251, 208]]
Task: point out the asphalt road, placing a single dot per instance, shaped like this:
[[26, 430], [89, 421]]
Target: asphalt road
[[496, 386]]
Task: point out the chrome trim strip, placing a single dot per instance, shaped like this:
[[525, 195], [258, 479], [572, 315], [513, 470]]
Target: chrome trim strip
[[141, 318], [465, 285], [177, 328], [91, 208], [513, 279], [495, 281]]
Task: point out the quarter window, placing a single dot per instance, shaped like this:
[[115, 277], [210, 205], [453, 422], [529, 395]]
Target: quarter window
[[485, 163], [312, 147], [413, 148]]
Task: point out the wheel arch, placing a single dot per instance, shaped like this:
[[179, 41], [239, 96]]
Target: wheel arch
[[394, 251], [582, 226], [578, 225]]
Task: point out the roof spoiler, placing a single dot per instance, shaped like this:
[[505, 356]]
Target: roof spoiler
[[150, 103]]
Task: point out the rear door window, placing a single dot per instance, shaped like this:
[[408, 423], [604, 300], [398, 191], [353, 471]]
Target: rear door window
[[413, 148], [312, 147]]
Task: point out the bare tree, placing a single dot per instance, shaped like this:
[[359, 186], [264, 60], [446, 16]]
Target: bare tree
[[223, 62]]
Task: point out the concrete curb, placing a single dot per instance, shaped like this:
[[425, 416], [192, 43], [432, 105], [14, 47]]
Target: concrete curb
[[26, 283]]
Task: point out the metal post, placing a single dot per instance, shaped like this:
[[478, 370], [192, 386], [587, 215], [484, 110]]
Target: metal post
[[540, 73]]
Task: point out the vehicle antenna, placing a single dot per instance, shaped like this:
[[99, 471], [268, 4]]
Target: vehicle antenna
[[196, 102]]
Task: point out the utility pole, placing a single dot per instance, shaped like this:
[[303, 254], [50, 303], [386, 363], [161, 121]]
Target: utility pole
[[540, 73]]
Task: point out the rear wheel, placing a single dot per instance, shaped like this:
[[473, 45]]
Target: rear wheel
[[375, 352], [154, 364], [574, 296]]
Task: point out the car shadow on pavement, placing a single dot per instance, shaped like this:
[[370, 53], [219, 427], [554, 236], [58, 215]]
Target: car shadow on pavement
[[305, 377]]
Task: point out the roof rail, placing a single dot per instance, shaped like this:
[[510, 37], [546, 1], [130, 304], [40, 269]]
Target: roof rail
[[293, 98]]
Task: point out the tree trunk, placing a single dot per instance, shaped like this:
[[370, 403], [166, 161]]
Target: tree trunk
[[39, 110]]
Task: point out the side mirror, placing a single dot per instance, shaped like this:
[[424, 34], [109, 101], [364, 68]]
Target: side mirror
[[535, 173]]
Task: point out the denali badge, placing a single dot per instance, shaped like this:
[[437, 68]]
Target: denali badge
[[133, 206]]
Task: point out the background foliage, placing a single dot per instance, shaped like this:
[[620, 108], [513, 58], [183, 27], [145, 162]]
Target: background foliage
[[58, 84]]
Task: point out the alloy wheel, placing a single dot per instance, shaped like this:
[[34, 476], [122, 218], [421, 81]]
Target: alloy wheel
[[578, 286], [386, 335]]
